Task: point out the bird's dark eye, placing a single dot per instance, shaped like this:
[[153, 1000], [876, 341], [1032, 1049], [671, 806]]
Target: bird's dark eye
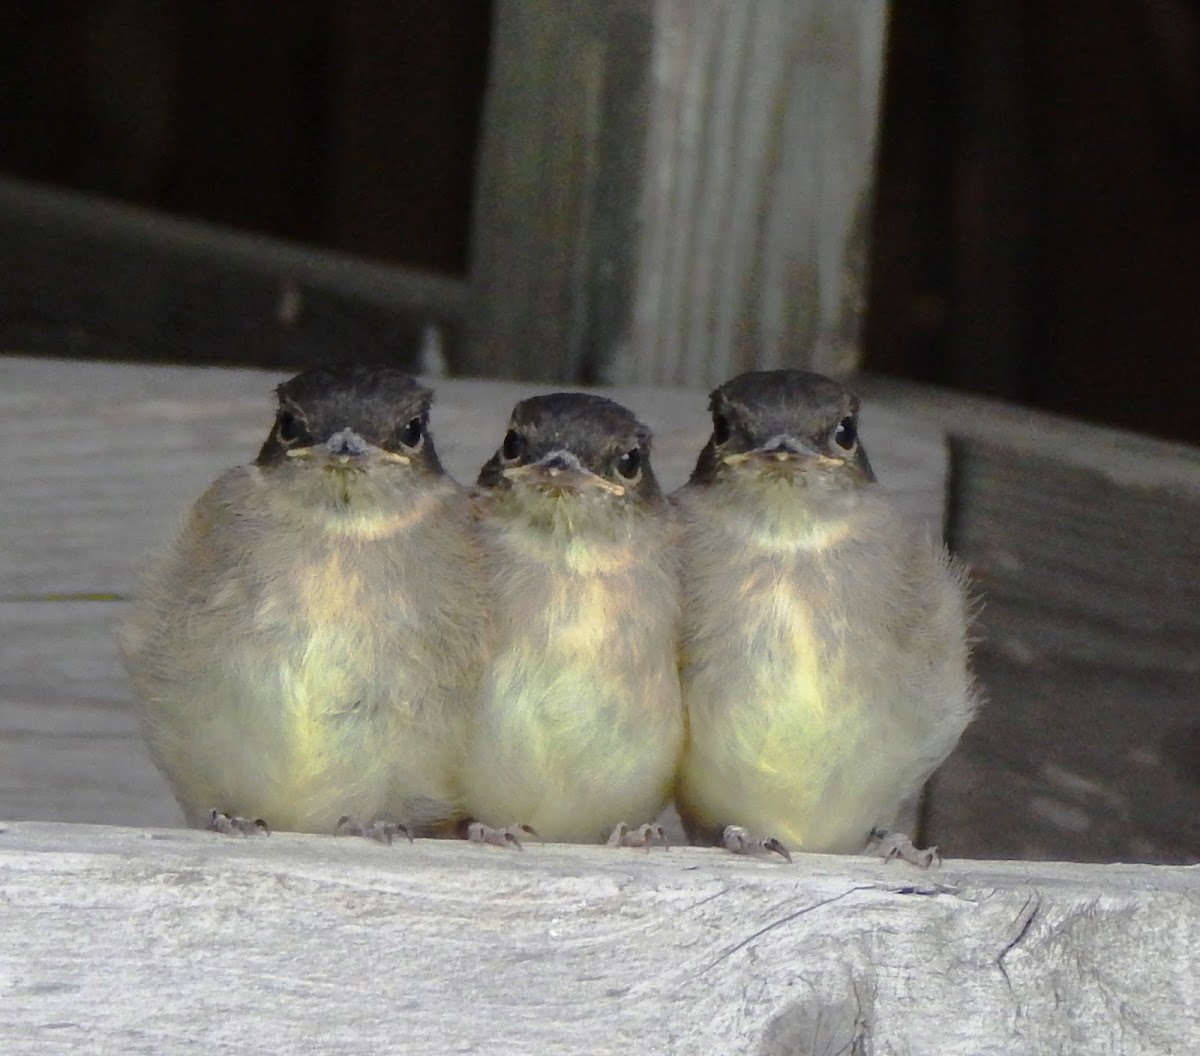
[[288, 428], [412, 433], [721, 430], [513, 446], [846, 434], [629, 465]]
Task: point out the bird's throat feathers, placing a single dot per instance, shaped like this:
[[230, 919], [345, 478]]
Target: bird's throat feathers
[[590, 534], [776, 513], [356, 505]]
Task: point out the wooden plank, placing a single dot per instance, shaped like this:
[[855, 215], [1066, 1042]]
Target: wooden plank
[[85, 276], [1099, 523], [698, 202], [69, 746], [176, 942], [1084, 544], [113, 455]]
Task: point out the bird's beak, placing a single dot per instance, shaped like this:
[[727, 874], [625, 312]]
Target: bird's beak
[[561, 471], [785, 450], [345, 449]]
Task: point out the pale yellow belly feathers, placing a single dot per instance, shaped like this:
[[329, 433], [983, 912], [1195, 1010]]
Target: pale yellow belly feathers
[[297, 691], [580, 722], [818, 699]]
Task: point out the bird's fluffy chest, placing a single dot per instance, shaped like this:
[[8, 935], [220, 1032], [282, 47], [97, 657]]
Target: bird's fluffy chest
[[585, 617], [775, 682], [585, 639], [580, 721], [329, 591], [783, 627], [296, 628], [769, 624]]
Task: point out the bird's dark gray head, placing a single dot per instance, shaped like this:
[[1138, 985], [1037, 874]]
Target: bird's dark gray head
[[782, 422], [351, 416], [574, 442]]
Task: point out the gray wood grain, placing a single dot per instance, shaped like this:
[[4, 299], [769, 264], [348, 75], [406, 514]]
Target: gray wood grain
[[171, 942], [69, 746], [1084, 545], [671, 192], [759, 179]]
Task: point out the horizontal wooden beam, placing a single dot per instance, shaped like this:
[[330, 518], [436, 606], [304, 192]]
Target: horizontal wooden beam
[[1097, 526], [85, 276], [1084, 547], [173, 941]]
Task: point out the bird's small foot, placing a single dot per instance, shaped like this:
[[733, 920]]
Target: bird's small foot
[[891, 845], [380, 829], [740, 841], [509, 836], [642, 836], [232, 825]]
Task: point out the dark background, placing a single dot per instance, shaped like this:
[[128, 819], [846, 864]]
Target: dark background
[[1037, 218]]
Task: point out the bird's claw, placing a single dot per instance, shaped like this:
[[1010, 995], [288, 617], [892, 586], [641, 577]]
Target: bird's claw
[[643, 836], [509, 836], [892, 845], [379, 829], [740, 841], [232, 825]]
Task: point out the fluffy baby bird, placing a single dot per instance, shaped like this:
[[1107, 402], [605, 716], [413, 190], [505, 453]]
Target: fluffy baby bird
[[580, 725], [825, 653], [309, 649]]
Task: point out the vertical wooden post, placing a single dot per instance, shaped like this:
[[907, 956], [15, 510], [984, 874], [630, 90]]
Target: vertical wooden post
[[556, 191], [672, 191]]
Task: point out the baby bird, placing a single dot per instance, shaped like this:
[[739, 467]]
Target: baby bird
[[580, 725], [308, 652], [825, 658]]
